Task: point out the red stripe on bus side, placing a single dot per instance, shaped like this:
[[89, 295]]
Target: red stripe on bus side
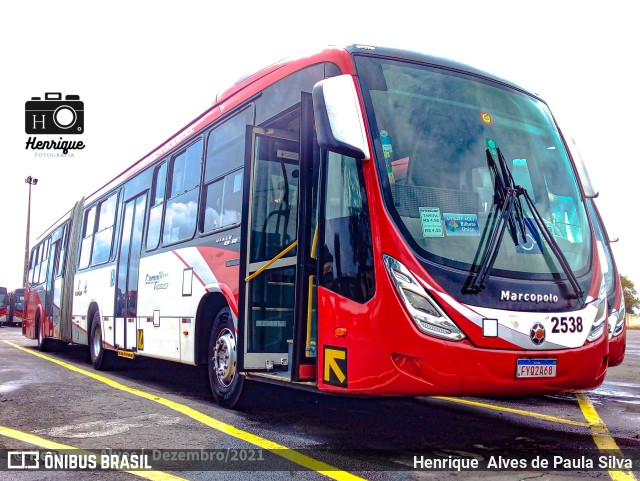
[[195, 274]]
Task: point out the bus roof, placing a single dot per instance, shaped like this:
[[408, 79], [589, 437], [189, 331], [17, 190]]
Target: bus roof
[[228, 98], [224, 101]]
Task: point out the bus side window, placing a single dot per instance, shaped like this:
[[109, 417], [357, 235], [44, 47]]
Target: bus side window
[[104, 234], [180, 215], [157, 205], [223, 172], [33, 262], [347, 253], [63, 241], [87, 237], [44, 263], [36, 266]]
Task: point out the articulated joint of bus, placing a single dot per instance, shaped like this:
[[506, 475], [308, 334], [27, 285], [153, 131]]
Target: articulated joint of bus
[[425, 312]]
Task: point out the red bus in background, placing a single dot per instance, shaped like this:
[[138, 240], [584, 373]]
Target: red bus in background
[[617, 315], [359, 221], [16, 307], [4, 303]]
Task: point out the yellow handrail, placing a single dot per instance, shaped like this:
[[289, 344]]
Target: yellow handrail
[[314, 244], [268, 263], [309, 315]]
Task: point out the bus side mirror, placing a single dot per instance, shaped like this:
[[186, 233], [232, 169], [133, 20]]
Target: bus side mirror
[[612, 236], [339, 121]]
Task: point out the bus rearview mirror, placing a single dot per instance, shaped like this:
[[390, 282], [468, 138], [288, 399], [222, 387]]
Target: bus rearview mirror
[[339, 121]]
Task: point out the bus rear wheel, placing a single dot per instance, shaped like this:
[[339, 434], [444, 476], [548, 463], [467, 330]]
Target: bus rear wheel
[[43, 342], [101, 358], [226, 382]]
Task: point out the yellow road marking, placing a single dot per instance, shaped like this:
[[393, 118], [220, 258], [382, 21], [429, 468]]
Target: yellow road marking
[[47, 444], [520, 412], [279, 449], [601, 435]]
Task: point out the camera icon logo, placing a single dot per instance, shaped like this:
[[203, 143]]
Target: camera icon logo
[[54, 115]]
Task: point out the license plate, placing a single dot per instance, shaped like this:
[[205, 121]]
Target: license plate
[[536, 368]]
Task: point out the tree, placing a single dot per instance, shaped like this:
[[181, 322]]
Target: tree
[[631, 299]]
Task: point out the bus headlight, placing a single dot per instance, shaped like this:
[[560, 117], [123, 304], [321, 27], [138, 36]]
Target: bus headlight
[[616, 320], [426, 314], [597, 328]]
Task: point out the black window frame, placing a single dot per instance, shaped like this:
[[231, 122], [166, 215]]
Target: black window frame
[[225, 174], [153, 204], [44, 260], [98, 217], [87, 233], [169, 191]]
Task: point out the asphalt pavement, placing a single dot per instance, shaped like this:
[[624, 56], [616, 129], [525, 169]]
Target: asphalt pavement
[[57, 401]]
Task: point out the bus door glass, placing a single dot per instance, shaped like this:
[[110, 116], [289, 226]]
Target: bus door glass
[[127, 277], [271, 247], [53, 288]]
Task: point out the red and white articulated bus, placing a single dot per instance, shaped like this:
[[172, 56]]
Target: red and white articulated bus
[[617, 314], [616, 310], [359, 221], [4, 304]]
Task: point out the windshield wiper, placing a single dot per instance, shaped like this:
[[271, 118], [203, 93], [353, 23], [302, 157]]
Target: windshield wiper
[[507, 198], [508, 193]]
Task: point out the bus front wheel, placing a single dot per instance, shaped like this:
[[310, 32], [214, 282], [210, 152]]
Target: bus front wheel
[[226, 382]]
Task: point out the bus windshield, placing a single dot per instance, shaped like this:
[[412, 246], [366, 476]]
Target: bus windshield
[[19, 300], [438, 136]]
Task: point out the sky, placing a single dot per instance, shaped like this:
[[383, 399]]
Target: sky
[[145, 69]]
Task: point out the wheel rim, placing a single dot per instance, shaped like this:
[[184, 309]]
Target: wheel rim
[[97, 342], [40, 335], [224, 357]]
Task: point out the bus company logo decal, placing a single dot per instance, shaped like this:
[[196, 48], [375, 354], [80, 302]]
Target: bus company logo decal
[[154, 280], [537, 334], [527, 297], [54, 116]]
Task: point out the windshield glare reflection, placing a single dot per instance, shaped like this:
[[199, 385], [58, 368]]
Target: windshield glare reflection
[[433, 129]]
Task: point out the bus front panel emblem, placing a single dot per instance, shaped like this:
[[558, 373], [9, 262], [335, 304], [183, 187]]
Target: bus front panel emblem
[[537, 334]]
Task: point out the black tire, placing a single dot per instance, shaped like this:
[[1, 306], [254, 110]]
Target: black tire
[[226, 383], [43, 342], [101, 358]]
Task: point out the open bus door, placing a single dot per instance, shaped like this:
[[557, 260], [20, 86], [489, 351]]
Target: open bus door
[[276, 324], [54, 284]]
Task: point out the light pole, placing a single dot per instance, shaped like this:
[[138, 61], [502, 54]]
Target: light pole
[[31, 181]]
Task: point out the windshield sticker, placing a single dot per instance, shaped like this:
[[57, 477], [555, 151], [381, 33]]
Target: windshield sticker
[[533, 245], [492, 146], [400, 168], [486, 117], [461, 224], [431, 222], [387, 151]]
